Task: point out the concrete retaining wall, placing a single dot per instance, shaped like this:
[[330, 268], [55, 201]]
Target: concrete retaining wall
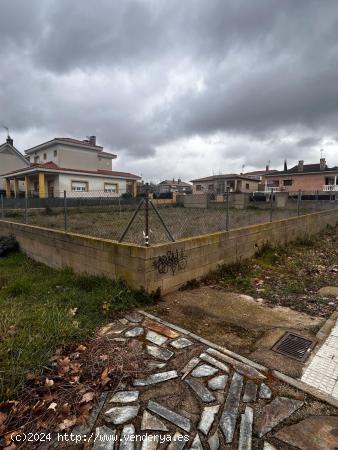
[[164, 266], [195, 201]]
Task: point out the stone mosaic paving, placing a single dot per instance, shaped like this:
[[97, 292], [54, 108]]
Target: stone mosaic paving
[[192, 397], [322, 372]]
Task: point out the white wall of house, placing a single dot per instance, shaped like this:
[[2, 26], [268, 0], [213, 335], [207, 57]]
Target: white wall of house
[[95, 184]]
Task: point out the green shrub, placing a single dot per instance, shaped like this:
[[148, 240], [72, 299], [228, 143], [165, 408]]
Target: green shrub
[[8, 244]]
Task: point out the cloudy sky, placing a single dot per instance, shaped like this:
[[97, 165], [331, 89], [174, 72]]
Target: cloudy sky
[[174, 87]]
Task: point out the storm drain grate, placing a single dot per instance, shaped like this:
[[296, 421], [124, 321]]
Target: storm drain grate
[[294, 346]]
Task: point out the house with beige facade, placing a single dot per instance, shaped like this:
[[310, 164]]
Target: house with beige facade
[[178, 186], [10, 159], [79, 168], [218, 184], [305, 177]]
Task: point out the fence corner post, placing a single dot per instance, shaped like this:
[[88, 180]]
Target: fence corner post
[[146, 236], [26, 208], [227, 209], [299, 201], [65, 211], [2, 207], [271, 204]]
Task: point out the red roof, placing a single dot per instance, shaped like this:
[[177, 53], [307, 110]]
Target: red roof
[[52, 166]]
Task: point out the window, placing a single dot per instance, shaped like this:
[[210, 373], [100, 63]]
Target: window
[[247, 186], [111, 187], [55, 153], [211, 187], [80, 186], [45, 156], [287, 182], [198, 187], [36, 159]]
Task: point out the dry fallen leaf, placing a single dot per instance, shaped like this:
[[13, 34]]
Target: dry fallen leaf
[[84, 413], [87, 397], [49, 382], [72, 311], [81, 348], [52, 406], [67, 423], [104, 377], [38, 405]]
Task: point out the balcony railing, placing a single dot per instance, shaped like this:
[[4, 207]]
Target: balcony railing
[[330, 188], [272, 188]]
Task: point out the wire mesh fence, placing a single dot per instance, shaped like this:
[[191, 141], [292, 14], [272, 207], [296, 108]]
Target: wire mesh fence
[[147, 221]]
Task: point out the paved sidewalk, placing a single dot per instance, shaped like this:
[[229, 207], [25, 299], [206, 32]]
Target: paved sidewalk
[[197, 395], [322, 372]]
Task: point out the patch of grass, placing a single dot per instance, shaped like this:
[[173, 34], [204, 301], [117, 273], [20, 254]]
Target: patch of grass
[[289, 275], [42, 309], [238, 275], [268, 256], [308, 241]]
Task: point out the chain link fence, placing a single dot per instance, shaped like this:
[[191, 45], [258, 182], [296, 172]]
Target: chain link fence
[[147, 221]]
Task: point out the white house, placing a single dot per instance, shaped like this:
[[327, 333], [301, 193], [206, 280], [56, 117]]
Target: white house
[[10, 159], [81, 168]]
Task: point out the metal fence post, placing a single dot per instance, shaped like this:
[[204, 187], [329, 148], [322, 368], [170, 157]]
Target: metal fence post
[[2, 207], [227, 209], [271, 204], [146, 236], [26, 208], [298, 201], [65, 210]]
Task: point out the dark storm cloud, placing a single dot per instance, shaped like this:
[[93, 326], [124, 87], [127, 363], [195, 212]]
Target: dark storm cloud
[[141, 74], [309, 141]]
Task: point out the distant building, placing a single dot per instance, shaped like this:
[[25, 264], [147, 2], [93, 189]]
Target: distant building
[[10, 159], [218, 184], [178, 186], [142, 187], [305, 177], [260, 174], [81, 168]]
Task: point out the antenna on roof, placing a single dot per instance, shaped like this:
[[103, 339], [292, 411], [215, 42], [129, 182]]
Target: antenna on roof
[[6, 128], [243, 165], [321, 152]]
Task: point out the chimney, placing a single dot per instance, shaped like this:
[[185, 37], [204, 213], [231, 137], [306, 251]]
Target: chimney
[[92, 141], [9, 140], [322, 164], [267, 168], [300, 166], [285, 165], [179, 180]]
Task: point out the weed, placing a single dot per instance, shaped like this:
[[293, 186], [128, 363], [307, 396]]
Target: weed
[[191, 284], [8, 244], [306, 241], [42, 309]]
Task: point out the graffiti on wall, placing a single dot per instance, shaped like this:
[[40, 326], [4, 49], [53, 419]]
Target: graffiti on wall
[[172, 261]]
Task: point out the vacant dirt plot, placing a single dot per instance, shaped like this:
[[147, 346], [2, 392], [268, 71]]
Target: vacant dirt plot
[[109, 221], [247, 307]]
